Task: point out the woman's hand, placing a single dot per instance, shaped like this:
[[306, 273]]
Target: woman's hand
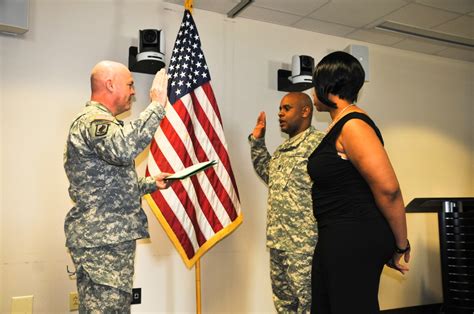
[[394, 262]]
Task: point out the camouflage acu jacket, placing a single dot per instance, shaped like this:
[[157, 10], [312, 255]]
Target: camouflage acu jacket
[[290, 222], [99, 163]]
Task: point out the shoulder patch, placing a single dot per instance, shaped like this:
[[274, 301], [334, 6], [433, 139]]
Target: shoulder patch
[[101, 129]]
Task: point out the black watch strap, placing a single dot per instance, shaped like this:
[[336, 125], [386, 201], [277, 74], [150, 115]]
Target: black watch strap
[[403, 251]]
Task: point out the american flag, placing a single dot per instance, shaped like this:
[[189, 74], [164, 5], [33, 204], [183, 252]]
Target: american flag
[[199, 211]]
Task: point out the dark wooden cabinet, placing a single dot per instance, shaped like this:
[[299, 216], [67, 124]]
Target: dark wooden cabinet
[[456, 232]]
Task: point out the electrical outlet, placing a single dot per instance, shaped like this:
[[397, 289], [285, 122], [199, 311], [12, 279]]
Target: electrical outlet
[[22, 304], [73, 301], [136, 296]]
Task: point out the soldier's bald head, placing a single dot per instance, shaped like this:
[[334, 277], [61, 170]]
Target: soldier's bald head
[[300, 99], [112, 86], [104, 71]]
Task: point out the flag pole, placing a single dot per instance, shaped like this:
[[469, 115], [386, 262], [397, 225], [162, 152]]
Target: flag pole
[[188, 5], [198, 286]]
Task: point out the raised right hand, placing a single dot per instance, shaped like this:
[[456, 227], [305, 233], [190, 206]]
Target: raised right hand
[[159, 88], [260, 127]]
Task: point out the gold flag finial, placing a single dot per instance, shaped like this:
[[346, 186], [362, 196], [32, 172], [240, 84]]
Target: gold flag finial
[[188, 5]]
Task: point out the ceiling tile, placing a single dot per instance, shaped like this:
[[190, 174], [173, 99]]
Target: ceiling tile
[[419, 46], [356, 13], [455, 53], [270, 16], [341, 17], [420, 16], [300, 7], [376, 37], [462, 26], [219, 6], [323, 27], [459, 6]]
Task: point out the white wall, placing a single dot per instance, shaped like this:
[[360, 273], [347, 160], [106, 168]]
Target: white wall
[[1, 167], [423, 105]]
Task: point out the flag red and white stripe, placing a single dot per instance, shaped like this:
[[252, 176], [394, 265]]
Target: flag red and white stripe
[[198, 211]]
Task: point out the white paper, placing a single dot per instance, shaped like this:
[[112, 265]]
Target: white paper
[[191, 170]]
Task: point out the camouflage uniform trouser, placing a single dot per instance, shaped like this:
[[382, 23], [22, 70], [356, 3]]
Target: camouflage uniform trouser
[[105, 277], [291, 281]]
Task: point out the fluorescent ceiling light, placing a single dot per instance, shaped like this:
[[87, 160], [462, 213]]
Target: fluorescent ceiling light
[[239, 7], [426, 34]]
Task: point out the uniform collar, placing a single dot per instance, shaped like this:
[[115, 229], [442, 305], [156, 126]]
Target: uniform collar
[[98, 105], [297, 139]]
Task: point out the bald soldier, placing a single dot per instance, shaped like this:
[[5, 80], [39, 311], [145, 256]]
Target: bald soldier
[[291, 228], [107, 218]]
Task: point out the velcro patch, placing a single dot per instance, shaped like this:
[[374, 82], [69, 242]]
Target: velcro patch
[[101, 129], [103, 117]]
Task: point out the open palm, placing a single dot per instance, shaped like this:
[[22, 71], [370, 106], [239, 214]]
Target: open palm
[[260, 127]]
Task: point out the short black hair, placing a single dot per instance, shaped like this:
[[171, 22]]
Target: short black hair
[[338, 73]]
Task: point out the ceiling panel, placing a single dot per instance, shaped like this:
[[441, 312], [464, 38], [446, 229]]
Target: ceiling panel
[[356, 19], [356, 13], [459, 6], [419, 46], [421, 16], [270, 16], [323, 27], [462, 26], [219, 6], [299, 7], [376, 37]]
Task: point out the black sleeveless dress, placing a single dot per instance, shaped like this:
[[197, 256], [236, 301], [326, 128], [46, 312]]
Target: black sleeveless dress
[[355, 240]]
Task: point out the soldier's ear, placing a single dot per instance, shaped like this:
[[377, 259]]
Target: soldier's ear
[[306, 111], [109, 85]]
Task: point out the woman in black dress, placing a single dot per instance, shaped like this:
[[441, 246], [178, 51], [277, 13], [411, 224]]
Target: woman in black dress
[[356, 197]]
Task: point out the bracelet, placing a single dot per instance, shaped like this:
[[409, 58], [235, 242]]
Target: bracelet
[[403, 251]]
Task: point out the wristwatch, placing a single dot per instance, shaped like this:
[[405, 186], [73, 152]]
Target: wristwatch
[[403, 251]]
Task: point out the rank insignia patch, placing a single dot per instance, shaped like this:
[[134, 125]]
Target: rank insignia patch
[[101, 129]]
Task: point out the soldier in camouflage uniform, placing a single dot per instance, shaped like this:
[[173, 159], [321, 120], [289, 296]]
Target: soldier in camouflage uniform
[[102, 227], [291, 227]]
